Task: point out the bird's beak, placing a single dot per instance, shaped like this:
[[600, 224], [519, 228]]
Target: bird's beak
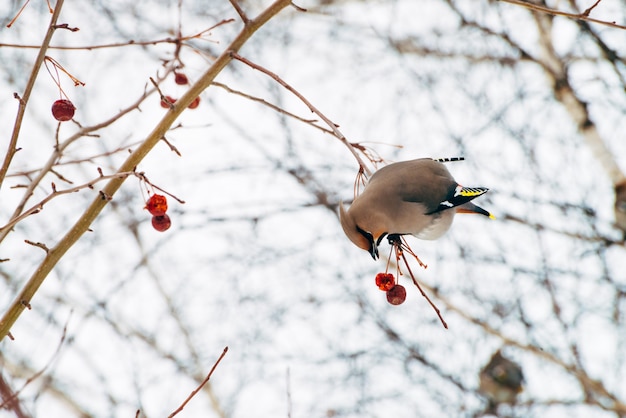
[[373, 250]]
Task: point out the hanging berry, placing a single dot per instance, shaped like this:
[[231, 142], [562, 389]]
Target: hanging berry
[[180, 79], [157, 205], [385, 281], [195, 103], [63, 110], [161, 223], [166, 105], [396, 295]]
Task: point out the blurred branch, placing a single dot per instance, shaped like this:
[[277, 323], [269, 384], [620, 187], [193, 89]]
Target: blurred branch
[[51, 386], [596, 392], [557, 72], [175, 316], [12, 401]]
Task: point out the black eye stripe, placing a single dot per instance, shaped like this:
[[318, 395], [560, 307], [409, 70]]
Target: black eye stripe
[[366, 234], [373, 249], [370, 237]]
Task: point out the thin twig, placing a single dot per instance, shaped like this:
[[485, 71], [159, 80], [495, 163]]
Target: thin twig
[[168, 40], [333, 126], [172, 147], [400, 253], [143, 177], [311, 122], [91, 159], [38, 244], [240, 11], [298, 8], [588, 10], [56, 193], [204, 382], [42, 370], [554, 12]]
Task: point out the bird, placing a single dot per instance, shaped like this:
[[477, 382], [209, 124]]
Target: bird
[[416, 197], [500, 381]]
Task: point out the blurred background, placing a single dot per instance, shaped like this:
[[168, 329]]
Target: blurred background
[[132, 319]]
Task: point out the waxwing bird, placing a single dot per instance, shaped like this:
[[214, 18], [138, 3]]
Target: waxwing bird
[[500, 381], [417, 197]]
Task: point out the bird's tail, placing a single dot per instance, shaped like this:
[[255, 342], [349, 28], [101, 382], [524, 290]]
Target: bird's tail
[[460, 198], [449, 159]]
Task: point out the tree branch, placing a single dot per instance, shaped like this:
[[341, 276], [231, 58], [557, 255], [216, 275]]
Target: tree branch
[[576, 16]]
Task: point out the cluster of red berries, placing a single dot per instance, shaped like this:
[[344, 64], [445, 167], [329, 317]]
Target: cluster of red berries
[[396, 293], [157, 206], [181, 80]]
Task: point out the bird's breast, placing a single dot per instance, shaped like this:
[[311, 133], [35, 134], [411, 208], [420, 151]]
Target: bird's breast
[[437, 225]]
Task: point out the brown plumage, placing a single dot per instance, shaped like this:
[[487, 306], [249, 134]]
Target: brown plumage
[[417, 197]]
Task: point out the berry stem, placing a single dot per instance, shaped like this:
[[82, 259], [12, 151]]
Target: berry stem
[[144, 179], [56, 78], [406, 247], [416, 283], [18, 13]]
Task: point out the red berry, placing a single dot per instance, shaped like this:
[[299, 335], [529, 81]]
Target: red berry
[[195, 103], [63, 110], [180, 78], [166, 105], [396, 295], [161, 223], [385, 281], [157, 205]]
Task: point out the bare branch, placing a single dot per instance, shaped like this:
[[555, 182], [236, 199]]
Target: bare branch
[[575, 16], [240, 11], [333, 126], [204, 382]]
